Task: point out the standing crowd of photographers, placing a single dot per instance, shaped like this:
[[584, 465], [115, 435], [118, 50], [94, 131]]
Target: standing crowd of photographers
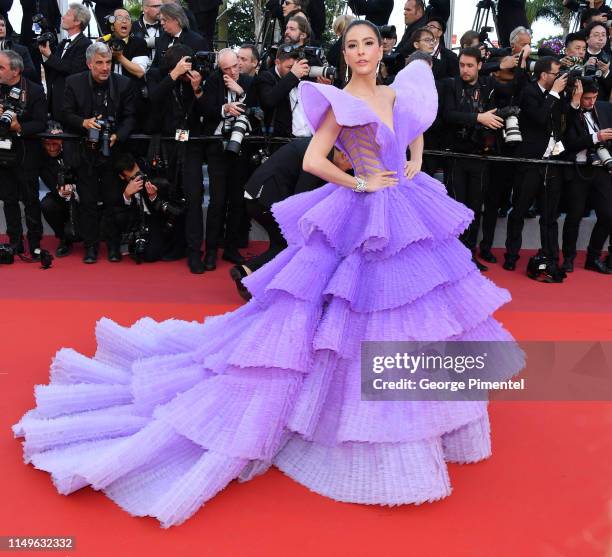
[[158, 76]]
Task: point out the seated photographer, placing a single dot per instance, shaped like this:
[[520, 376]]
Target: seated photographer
[[60, 205], [276, 90], [130, 54], [376, 11], [100, 106], [145, 229], [587, 140], [67, 57], [276, 179], [175, 91], [597, 57], [445, 61], [226, 98], [8, 44], [23, 112], [176, 31], [147, 26], [543, 110]]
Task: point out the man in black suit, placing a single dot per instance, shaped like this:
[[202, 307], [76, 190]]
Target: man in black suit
[[589, 127], [275, 89], [225, 98], [67, 58], [280, 177], [19, 160], [543, 107], [50, 10], [147, 26], [445, 61], [176, 31], [416, 16], [8, 44], [177, 100], [206, 12], [90, 97]]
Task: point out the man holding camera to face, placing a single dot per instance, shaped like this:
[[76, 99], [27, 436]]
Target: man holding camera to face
[[100, 106], [588, 140], [23, 112], [175, 91], [225, 114]]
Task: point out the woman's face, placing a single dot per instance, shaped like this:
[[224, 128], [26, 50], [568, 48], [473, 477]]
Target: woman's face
[[362, 51], [425, 43]]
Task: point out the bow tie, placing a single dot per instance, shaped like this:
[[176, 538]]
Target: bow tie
[[585, 111], [66, 41], [152, 25]]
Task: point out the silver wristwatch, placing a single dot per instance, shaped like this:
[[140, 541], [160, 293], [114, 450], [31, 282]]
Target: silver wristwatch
[[361, 186]]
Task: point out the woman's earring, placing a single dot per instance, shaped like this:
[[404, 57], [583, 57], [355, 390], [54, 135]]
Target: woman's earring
[[378, 67], [346, 77]]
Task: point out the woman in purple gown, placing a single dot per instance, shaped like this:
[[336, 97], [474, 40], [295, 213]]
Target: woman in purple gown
[[165, 415]]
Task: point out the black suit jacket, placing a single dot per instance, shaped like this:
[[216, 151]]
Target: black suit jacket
[[197, 6], [282, 175], [578, 136], [541, 115], [273, 94], [78, 103], [58, 68], [187, 37], [49, 8], [447, 65], [437, 8], [510, 15], [376, 11], [215, 96], [138, 30], [105, 8]]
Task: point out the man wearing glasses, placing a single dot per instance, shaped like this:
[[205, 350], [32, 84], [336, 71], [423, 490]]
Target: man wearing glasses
[[445, 61], [147, 26], [543, 108]]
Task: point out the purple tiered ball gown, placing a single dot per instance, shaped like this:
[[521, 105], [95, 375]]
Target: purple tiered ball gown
[[165, 415]]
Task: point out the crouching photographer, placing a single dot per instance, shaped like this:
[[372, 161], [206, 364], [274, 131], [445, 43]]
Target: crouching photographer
[[23, 112], [60, 206], [475, 126], [100, 106], [588, 141], [145, 215]]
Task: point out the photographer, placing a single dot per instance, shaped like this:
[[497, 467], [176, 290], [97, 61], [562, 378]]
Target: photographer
[[575, 50], [67, 57], [100, 106], [276, 90], [469, 112], [598, 5], [175, 90], [147, 26], [416, 16], [445, 61], [543, 110], [503, 63], [60, 205], [130, 54], [140, 212], [225, 99], [38, 17], [597, 58], [23, 112], [376, 11], [297, 31], [589, 128]]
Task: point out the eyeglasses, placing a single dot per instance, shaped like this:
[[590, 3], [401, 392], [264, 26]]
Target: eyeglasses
[[122, 18], [434, 27], [428, 41], [153, 6]]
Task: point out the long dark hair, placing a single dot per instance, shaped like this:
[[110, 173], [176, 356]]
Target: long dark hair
[[343, 66]]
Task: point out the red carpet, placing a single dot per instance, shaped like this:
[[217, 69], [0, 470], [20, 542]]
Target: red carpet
[[546, 491]]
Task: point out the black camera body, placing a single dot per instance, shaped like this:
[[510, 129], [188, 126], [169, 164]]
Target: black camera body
[[394, 62], [315, 56], [7, 254], [116, 44], [43, 33], [14, 107], [100, 138], [203, 62]]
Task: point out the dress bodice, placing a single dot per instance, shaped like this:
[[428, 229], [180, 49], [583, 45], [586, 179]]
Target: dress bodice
[[368, 142]]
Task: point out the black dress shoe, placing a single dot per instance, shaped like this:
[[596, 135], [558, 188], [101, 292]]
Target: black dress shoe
[[233, 256], [488, 256], [17, 245], [531, 213], [210, 261], [91, 255], [568, 264], [502, 212], [195, 263], [509, 265], [597, 265], [237, 273], [114, 254], [63, 249], [482, 268]]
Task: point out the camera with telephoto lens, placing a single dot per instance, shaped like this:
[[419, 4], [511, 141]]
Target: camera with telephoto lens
[[600, 156], [236, 129], [315, 56], [100, 138], [203, 62], [65, 177], [13, 107], [512, 132], [592, 69]]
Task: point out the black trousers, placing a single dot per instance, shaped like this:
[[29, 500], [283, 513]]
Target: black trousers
[[17, 184], [535, 182], [262, 215], [56, 211], [207, 22], [496, 195], [594, 183], [466, 183], [97, 183], [228, 174], [192, 186]]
